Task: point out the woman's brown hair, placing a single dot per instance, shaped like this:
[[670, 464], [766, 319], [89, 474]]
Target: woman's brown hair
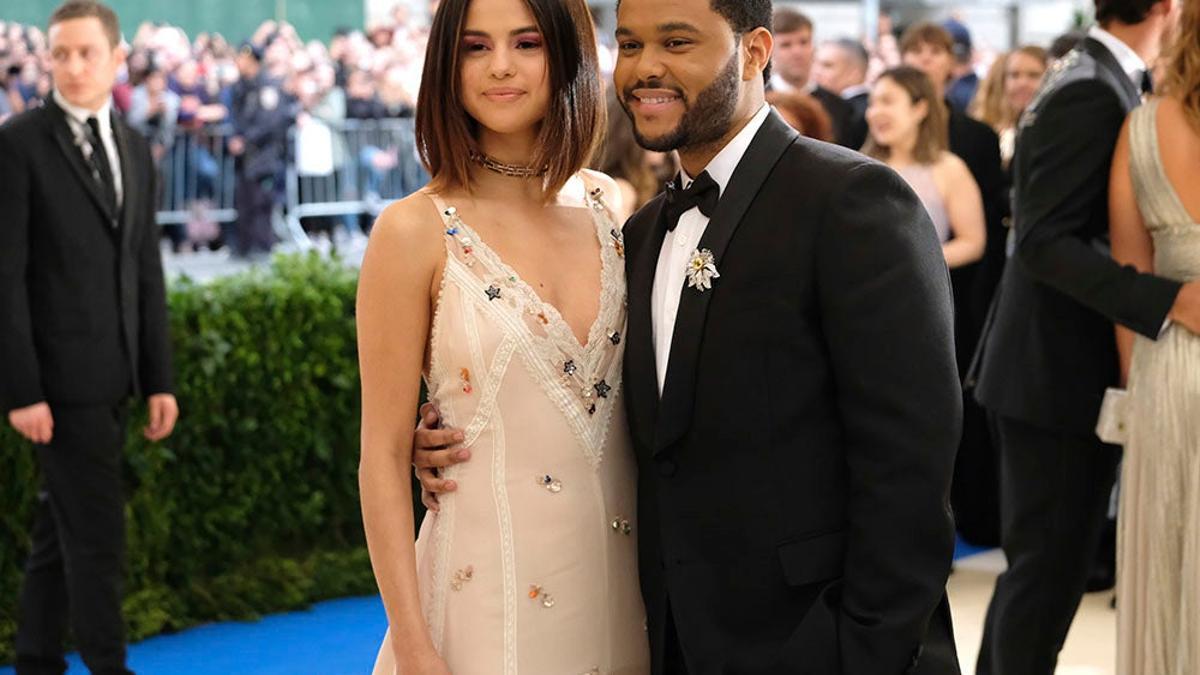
[[990, 105], [1182, 78], [621, 157], [933, 132], [991, 102], [570, 132]]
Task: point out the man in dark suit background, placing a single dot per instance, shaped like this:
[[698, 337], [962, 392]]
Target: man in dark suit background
[[841, 66], [793, 65], [975, 495], [83, 327], [1049, 351]]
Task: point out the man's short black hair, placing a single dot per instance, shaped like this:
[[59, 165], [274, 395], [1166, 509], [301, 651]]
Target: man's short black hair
[[1128, 12], [743, 16], [746, 15]]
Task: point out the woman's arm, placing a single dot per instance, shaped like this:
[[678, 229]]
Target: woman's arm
[[1131, 242], [394, 297], [964, 206]]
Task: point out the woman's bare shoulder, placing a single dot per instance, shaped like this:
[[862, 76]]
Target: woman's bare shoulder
[[953, 170], [409, 230]]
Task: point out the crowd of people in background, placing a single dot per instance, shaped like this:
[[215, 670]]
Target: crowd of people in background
[[239, 99]]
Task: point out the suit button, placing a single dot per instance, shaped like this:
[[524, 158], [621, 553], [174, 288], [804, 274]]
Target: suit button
[[666, 468]]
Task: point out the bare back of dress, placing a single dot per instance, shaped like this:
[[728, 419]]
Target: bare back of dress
[[1159, 559]]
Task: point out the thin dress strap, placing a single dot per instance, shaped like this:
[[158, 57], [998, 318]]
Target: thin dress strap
[[438, 202]]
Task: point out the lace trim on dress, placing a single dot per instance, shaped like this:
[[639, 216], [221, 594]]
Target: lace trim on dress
[[508, 557], [582, 380]]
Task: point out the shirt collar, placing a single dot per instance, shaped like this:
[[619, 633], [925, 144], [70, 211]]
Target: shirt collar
[[854, 90], [81, 115], [1130, 62], [721, 168]]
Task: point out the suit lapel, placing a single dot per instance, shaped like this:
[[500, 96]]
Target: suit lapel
[[61, 130], [1131, 93], [128, 182], [641, 380], [675, 408]]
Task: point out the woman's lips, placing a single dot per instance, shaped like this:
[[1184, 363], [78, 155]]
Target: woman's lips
[[504, 94]]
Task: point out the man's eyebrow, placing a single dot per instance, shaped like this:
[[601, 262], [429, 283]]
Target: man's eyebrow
[[670, 27], [676, 27]]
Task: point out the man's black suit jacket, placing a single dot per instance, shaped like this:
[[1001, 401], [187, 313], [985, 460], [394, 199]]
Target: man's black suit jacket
[[1049, 351], [839, 113], [978, 146], [793, 478], [855, 135], [82, 304]]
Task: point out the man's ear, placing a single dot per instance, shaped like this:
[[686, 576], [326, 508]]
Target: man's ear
[[757, 46]]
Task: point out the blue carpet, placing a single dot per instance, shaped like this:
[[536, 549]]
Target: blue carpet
[[962, 549], [333, 638]]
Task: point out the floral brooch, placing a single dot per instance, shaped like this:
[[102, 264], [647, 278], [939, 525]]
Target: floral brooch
[[701, 270]]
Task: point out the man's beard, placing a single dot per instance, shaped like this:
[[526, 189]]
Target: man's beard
[[705, 122]]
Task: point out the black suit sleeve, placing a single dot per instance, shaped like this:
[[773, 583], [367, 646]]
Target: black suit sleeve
[[154, 330], [886, 317], [1072, 143], [20, 383]]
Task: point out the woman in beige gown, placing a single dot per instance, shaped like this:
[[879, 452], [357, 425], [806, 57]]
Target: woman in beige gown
[[503, 285], [1155, 200]]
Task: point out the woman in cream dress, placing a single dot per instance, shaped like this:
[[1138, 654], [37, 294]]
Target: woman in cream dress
[[503, 285]]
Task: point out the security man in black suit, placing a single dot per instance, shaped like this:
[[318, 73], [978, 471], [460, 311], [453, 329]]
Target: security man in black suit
[[83, 328]]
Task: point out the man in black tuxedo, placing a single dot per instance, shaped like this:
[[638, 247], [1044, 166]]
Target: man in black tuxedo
[[841, 66], [805, 283], [818, 539], [83, 326], [794, 66], [1049, 351]]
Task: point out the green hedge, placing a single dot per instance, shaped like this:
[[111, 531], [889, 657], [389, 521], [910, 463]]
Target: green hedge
[[252, 505]]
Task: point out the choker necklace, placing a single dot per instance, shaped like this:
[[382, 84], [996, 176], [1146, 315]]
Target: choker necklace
[[511, 170]]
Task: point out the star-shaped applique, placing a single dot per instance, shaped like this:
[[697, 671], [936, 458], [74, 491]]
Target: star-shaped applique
[[493, 292], [602, 389]]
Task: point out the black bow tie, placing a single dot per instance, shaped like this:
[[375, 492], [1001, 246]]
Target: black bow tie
[[1147, 82], [703, 193]]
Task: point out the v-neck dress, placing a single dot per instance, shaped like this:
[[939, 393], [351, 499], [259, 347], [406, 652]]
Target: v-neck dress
[[530, 566]]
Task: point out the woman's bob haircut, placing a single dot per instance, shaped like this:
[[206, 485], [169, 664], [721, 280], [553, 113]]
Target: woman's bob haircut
[[446, 134]]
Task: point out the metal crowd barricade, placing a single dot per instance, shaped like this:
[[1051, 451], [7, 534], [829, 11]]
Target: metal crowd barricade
[[347, 169], [197, 169]]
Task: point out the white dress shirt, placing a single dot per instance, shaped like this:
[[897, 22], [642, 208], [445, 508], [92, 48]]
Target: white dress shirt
[[77, 119], [1131, 63], [680, 243]]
